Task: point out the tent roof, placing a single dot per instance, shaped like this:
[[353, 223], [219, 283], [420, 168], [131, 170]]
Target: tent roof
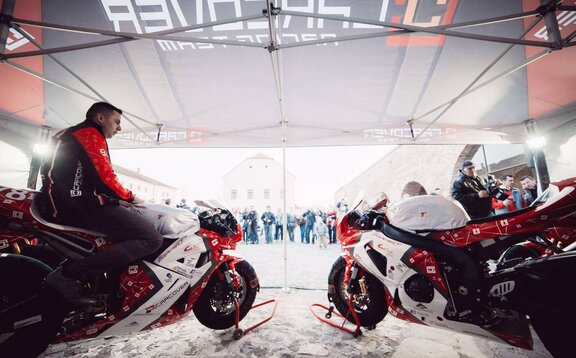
[[351, 72]]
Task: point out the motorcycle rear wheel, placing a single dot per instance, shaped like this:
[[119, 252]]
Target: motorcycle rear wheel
[[215, 307], [25, 329], [555, 333], [370, 304]]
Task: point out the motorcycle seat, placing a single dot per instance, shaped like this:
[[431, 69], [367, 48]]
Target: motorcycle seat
[[36, 213]]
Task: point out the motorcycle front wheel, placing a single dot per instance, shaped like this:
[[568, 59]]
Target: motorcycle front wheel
[[370, 303], [215, 308]]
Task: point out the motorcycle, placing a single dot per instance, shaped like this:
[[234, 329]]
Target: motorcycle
[[189, 272], [422, 261]]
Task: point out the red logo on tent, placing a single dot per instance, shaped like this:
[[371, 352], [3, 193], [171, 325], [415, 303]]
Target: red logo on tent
[[446, 9]]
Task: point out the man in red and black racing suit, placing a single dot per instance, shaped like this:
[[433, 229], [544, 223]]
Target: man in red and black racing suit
[[80, 188]]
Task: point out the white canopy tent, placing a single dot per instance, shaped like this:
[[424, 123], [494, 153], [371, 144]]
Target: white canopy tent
[[222, 73], [252, 73]]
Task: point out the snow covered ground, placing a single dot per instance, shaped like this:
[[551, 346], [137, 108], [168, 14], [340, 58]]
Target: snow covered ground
[[294, 331]]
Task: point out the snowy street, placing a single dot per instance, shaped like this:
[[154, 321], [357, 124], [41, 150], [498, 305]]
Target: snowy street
[[294, 331]]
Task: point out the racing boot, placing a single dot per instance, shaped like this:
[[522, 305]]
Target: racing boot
[[71, 291]]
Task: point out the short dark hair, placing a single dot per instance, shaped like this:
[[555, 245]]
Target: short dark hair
[[506, 176], [527, 177], [101, 107]]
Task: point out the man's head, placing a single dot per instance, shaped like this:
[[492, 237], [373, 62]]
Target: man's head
[[468, 168], [267, 207], [507, 180], [106, 116], [528, 182]]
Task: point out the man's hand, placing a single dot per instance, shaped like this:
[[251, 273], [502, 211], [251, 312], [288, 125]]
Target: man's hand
[[135, 201], [483, 194], [506, 202]]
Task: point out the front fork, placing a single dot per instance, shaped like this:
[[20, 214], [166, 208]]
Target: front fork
[[226, 273]]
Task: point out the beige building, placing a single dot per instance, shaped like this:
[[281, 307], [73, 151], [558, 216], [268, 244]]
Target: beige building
[[146, 188], [257, 181]]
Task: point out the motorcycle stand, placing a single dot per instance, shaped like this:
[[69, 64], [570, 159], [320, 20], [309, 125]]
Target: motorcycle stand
[[239, 332], [357, 332]]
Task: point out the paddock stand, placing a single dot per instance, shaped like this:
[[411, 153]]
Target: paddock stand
[[326, 319], [239, 332]]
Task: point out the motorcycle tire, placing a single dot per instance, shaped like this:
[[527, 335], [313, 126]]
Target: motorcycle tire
[[215, 308], [25, 328], [554, 332], [370, 306]]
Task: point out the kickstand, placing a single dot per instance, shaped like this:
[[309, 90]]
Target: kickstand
[[239, 332]]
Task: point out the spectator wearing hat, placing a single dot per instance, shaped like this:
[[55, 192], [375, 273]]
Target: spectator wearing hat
[[471, 191]]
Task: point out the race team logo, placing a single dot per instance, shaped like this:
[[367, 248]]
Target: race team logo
[[16, 40]]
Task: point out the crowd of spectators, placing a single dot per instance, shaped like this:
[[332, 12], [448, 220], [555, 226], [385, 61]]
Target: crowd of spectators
[[318, 227]]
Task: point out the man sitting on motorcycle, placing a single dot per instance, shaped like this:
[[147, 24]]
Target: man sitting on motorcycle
[[80, 188]]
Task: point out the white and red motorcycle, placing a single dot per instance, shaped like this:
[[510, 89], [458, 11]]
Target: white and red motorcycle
[[422, 261], [189, 272]]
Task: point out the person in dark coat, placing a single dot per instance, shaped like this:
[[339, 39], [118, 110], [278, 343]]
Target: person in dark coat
[[252, 219], [268, 220], [310, 217], [472, 192]]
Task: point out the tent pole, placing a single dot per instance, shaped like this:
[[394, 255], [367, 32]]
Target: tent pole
[[275, 58], [542, 175], [37, 157], [470, 88], [127, 36], [5, 13]]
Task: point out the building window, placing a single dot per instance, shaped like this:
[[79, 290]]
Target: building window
[[250, 194], [281, 193], [266, 193], [233, 194]]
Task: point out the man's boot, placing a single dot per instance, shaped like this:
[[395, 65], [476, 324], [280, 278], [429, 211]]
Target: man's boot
[[71, 290]]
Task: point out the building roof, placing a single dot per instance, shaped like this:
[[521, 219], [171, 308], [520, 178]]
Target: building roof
[[121, 170], [259, 156], [256, 156]]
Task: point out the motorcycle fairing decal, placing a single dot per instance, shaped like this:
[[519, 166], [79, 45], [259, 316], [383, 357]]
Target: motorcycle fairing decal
[[139, 283], [183, 255], [425, 263], [171, 286], [399, 311]]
